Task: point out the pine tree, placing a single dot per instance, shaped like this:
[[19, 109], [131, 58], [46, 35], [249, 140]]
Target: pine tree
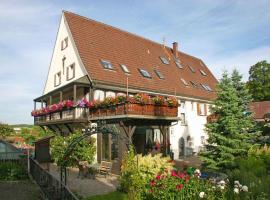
[[230, 134]]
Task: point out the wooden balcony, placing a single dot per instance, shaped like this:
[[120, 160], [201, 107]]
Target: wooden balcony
[[133, 110], [63, 116]]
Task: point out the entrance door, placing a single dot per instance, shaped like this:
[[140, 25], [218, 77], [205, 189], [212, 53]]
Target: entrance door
[[181, 147]]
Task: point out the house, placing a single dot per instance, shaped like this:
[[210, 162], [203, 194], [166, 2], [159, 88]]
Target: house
[[92, 61], [260, 110]]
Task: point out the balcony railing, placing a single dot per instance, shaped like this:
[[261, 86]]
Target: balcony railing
[[63, 115], [135, 109]]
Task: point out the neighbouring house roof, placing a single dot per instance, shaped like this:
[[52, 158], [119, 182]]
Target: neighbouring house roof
[[96, 41], [260, 109]]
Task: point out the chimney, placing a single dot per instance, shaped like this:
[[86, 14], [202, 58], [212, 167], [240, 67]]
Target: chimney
[[175, 49]]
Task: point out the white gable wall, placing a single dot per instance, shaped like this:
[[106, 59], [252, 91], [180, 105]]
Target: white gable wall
[[194, 128], [56, 62]]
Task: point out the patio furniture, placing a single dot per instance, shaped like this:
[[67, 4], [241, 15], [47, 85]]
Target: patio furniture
[[105, 168]]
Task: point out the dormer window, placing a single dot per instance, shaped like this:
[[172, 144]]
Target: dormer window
[[145, 73], [202, 72], [159, 74], [124, 68], [71, 72], [106, 64], [191, 69], [57, 79], [184, 82], [64, 43], [206, 87], [164, 60]]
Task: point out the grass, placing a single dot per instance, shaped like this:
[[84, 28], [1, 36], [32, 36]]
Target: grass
[[110, 196]]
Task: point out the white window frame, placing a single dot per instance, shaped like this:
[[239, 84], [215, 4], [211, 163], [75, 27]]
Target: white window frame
[[69, 68], [57, 79]]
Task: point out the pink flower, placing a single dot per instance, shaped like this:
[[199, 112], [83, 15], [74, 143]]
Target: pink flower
[[152, 183], [179, 187], [158, 177], [173, 173]]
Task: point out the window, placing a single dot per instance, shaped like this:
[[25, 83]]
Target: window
[[178, 64], [184, 82], [106, 64], [182, 104], [183, 119], [70, 72], [159, 74], [63, 64], [145, 73], [194, 84], [192, 105], [110, 94], [64, 43], [201, 109], [164, 60], [191, 69], [99, 95], [202, 72], [57, 79], [125, 69], [206, 87]]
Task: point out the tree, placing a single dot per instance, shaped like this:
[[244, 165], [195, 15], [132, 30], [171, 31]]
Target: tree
[[84, 151], [259, 81], [230, 135], [5, 130]]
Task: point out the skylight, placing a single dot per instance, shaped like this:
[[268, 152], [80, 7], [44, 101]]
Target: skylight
[[106, 64], [178, 64], [124, 68], [145, 73], [191, 68], [202, 72], [159, 74], [206, 87], [164, 60], [184, 82], [194, 84]]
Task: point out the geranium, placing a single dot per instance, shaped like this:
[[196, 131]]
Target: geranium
[[172, 102], [121, 98], [142, 98], [108, 101], [83, 103], [158, 100], [68, 104]]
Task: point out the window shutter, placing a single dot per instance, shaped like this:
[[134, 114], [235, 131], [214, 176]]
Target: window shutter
[[198, 109], [205, 109]]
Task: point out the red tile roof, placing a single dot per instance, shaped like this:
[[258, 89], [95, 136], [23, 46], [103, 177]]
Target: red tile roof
[[95, 41], [259, 109]]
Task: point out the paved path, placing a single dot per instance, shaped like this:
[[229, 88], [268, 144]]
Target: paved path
[[18, 190], [87, 187]]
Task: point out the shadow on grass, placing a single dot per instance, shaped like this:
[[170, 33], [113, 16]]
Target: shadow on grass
[[111, 196]]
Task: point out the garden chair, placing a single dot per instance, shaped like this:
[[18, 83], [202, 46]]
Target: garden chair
[[105, 168]]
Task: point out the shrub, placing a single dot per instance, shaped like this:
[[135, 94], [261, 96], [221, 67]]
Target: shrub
[[10, 171], [136, 172], [253, 172]]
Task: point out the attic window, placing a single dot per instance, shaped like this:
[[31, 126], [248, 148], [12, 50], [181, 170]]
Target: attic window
[[145, 73], [202, 72], [64, 43], [206, 87], [71, 72], [194, 84], [164, 60], [57, 79], [124, 68], [159, 74], [184, 82], [178, 64], [191, 69], [106, 64]]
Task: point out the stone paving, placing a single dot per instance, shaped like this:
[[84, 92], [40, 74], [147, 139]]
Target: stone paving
[[87, 187]]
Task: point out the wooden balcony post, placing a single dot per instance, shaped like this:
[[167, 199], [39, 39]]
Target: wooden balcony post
[[90, 94], [35, 105], [61, 96], [75, 93], [50, 101], [42, 103]]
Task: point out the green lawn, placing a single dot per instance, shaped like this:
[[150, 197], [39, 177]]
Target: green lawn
[[111, 196]]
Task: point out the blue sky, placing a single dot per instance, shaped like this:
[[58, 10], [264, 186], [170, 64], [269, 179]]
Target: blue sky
[[226, 34]]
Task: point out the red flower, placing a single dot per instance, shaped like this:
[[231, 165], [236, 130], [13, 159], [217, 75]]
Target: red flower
[[158, 177], [173, 173], [186, 179], [179, 187], [152, 183]]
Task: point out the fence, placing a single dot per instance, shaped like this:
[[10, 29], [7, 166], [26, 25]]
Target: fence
[[11, 155], [51, 187]]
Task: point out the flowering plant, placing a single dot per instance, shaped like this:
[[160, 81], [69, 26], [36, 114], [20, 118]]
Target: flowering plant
[[158, 100], [172, 102], [67, 104], [83, 103], [108, 101], [121, 99], [142, 98]]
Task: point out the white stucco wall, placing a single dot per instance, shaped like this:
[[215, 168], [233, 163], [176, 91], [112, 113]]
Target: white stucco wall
[[194, 128], [56, 62]]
